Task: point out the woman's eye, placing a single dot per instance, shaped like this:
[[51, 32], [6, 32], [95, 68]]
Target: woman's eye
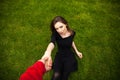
[[61, 26], [56, 28]]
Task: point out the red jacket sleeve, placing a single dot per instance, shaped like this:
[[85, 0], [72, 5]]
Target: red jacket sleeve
[[34, 72]]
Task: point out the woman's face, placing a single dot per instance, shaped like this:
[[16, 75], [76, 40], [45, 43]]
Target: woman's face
[[60, 28]]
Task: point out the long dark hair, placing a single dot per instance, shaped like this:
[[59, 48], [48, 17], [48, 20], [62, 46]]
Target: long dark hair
[[59, 19]]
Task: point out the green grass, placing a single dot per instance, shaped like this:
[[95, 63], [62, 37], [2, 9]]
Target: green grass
[[25, 34]]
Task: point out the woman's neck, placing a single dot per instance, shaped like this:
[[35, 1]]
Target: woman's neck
[[65, 34]]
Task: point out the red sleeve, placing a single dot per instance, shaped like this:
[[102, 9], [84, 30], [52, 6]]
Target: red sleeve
[[34, 72]]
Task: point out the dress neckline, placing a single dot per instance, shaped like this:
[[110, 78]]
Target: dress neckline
[[64, 37]]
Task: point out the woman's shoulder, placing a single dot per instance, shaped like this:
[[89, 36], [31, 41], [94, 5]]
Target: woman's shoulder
[[55, 34]]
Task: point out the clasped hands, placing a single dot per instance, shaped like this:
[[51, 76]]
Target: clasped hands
[[47, 60]]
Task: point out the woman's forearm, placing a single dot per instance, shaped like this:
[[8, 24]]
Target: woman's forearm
[[49, 49], [74, 47], [77, 52]]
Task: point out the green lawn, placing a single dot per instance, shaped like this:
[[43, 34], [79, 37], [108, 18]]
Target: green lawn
[[25, 34]]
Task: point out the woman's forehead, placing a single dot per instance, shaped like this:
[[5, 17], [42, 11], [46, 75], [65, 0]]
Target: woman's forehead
[[59, 24]]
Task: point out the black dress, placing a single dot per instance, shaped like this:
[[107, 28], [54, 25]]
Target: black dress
[[65, 58]]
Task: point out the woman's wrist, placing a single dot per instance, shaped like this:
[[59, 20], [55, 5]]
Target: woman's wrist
[[77, 51], [47, 53]]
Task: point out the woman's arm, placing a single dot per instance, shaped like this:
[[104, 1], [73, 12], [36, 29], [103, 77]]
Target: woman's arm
[[49, 49], [48, 53], [75, 49]]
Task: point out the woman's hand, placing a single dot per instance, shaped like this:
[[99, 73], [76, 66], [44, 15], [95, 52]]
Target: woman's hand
[[48, 65], [79, 55], [47, 60]]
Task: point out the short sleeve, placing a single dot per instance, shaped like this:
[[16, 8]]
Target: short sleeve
[[53, 38], [74, 33]]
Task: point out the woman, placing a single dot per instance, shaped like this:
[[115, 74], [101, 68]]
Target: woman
[[65, 61]]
